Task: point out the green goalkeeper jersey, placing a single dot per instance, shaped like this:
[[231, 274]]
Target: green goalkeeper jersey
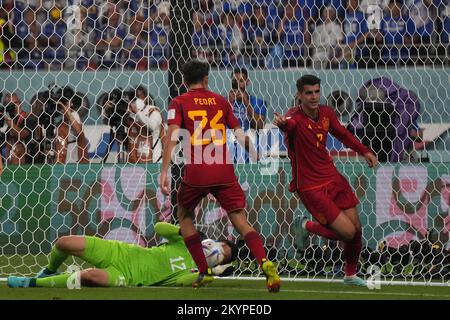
[[169, 264]]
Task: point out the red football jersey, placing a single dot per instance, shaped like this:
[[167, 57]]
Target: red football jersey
[[205, 115], [306, 140]]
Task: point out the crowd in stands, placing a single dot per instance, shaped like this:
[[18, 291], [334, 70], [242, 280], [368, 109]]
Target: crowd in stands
[[134, 34]]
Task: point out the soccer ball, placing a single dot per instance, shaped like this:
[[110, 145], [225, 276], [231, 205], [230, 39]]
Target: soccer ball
[[213, 252]]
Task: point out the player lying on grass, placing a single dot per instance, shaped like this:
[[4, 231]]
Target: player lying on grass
[[122, 264]]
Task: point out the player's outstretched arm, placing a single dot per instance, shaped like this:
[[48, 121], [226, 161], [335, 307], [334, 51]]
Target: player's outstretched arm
[[219, 270], [167, 230], [169, 146], [349, 140], [284, 123], [279, 120], [371, 159], [245, 142]]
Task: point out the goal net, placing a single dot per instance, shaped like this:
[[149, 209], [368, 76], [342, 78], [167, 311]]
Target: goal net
[[78, 160]]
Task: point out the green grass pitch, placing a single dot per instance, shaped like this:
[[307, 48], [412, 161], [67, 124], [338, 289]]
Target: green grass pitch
[[235, 289], [220, 289]]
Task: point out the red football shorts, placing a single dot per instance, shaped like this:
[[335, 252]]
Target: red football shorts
[[325, 203], [230, 196]]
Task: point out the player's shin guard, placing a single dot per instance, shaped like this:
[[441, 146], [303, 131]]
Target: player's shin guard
[[317, 228], [194, 245], [254, 243], [352, 251]]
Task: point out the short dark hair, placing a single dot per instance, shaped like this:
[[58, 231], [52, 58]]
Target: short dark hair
[[234, 251], [194, 71], [241, 70], [141, 88], [307, 80]]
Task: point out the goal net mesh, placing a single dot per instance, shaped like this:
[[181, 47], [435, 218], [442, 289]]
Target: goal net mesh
[[75, 161]]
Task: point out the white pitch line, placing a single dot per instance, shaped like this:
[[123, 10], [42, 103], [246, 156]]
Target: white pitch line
[[372, 292], [381, 282]]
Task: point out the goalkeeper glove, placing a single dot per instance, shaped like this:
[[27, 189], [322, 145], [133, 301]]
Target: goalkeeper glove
[[223, 270]]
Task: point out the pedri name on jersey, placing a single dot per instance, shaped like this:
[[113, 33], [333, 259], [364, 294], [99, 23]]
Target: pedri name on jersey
[[205, 101]]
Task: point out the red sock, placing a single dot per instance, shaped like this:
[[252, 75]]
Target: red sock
[[254, 243], [351, 254], [317, 228], [194, 245]]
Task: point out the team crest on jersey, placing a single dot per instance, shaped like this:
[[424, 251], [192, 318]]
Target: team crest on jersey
[[326, 123]]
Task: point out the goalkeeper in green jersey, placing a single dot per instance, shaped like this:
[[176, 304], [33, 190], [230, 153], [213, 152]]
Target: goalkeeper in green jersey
[[122, 264]]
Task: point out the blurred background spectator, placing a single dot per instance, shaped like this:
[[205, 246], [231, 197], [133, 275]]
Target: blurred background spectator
[[356, 31], [445, 18], [423, 13], [133, 34], [202, 40], [291, 34], [53, 32], [325, 39], [159, 37], [80, 42], [364, 4], [19, 126], [250, 110], [232, 40], [29, 33], [135, 45], [9, 43], [112, 31], [397, 31], [257, 37], [146, 131]]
